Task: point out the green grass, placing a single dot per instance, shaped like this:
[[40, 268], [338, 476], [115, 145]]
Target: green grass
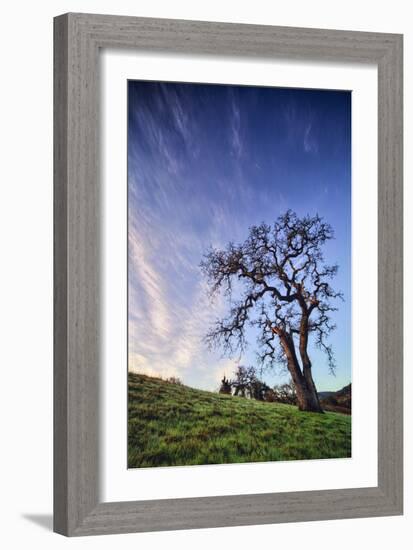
[[172, 425]]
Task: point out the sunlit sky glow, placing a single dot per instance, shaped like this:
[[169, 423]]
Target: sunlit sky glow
[[205, 162]]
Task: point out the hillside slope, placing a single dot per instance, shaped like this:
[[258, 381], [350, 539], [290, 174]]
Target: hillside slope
[[172, 425], [338, 401]]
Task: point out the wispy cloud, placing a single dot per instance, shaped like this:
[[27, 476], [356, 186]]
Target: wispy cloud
[[310, 144], [300, 127], [151, 288], [169, 310], [167, 340], [235, 127], [180, 116], [171, 140]]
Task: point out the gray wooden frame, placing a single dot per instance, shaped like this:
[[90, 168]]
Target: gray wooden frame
[[78, 39]]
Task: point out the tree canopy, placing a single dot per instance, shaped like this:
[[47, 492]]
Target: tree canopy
[[282, 287]]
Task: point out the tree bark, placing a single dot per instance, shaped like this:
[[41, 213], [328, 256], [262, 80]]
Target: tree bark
[[307, 397], [307, 374], [312, 402]]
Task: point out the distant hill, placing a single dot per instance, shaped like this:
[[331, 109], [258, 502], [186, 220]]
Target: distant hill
[[324, 394], [171, 425], [339, 401]]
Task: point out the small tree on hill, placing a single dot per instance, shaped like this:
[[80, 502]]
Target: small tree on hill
[[242, 381], [285, 393], [174, 380], [226, 387]]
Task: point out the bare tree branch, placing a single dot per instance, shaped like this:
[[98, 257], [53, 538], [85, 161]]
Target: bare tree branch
[[285, 289]]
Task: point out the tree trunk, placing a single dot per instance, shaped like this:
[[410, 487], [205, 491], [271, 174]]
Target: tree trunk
[[307, 396], [307, 374], [311, 401], [310, 384]]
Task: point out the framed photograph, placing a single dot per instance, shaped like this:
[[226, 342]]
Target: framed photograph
[[228, 274]]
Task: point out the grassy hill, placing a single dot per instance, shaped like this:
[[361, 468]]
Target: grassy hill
[[174, 425]]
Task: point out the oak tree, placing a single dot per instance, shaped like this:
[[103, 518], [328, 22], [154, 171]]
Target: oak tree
[[278, 282]]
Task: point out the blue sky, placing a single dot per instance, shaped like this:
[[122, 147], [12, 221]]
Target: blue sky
[[205, 162]]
